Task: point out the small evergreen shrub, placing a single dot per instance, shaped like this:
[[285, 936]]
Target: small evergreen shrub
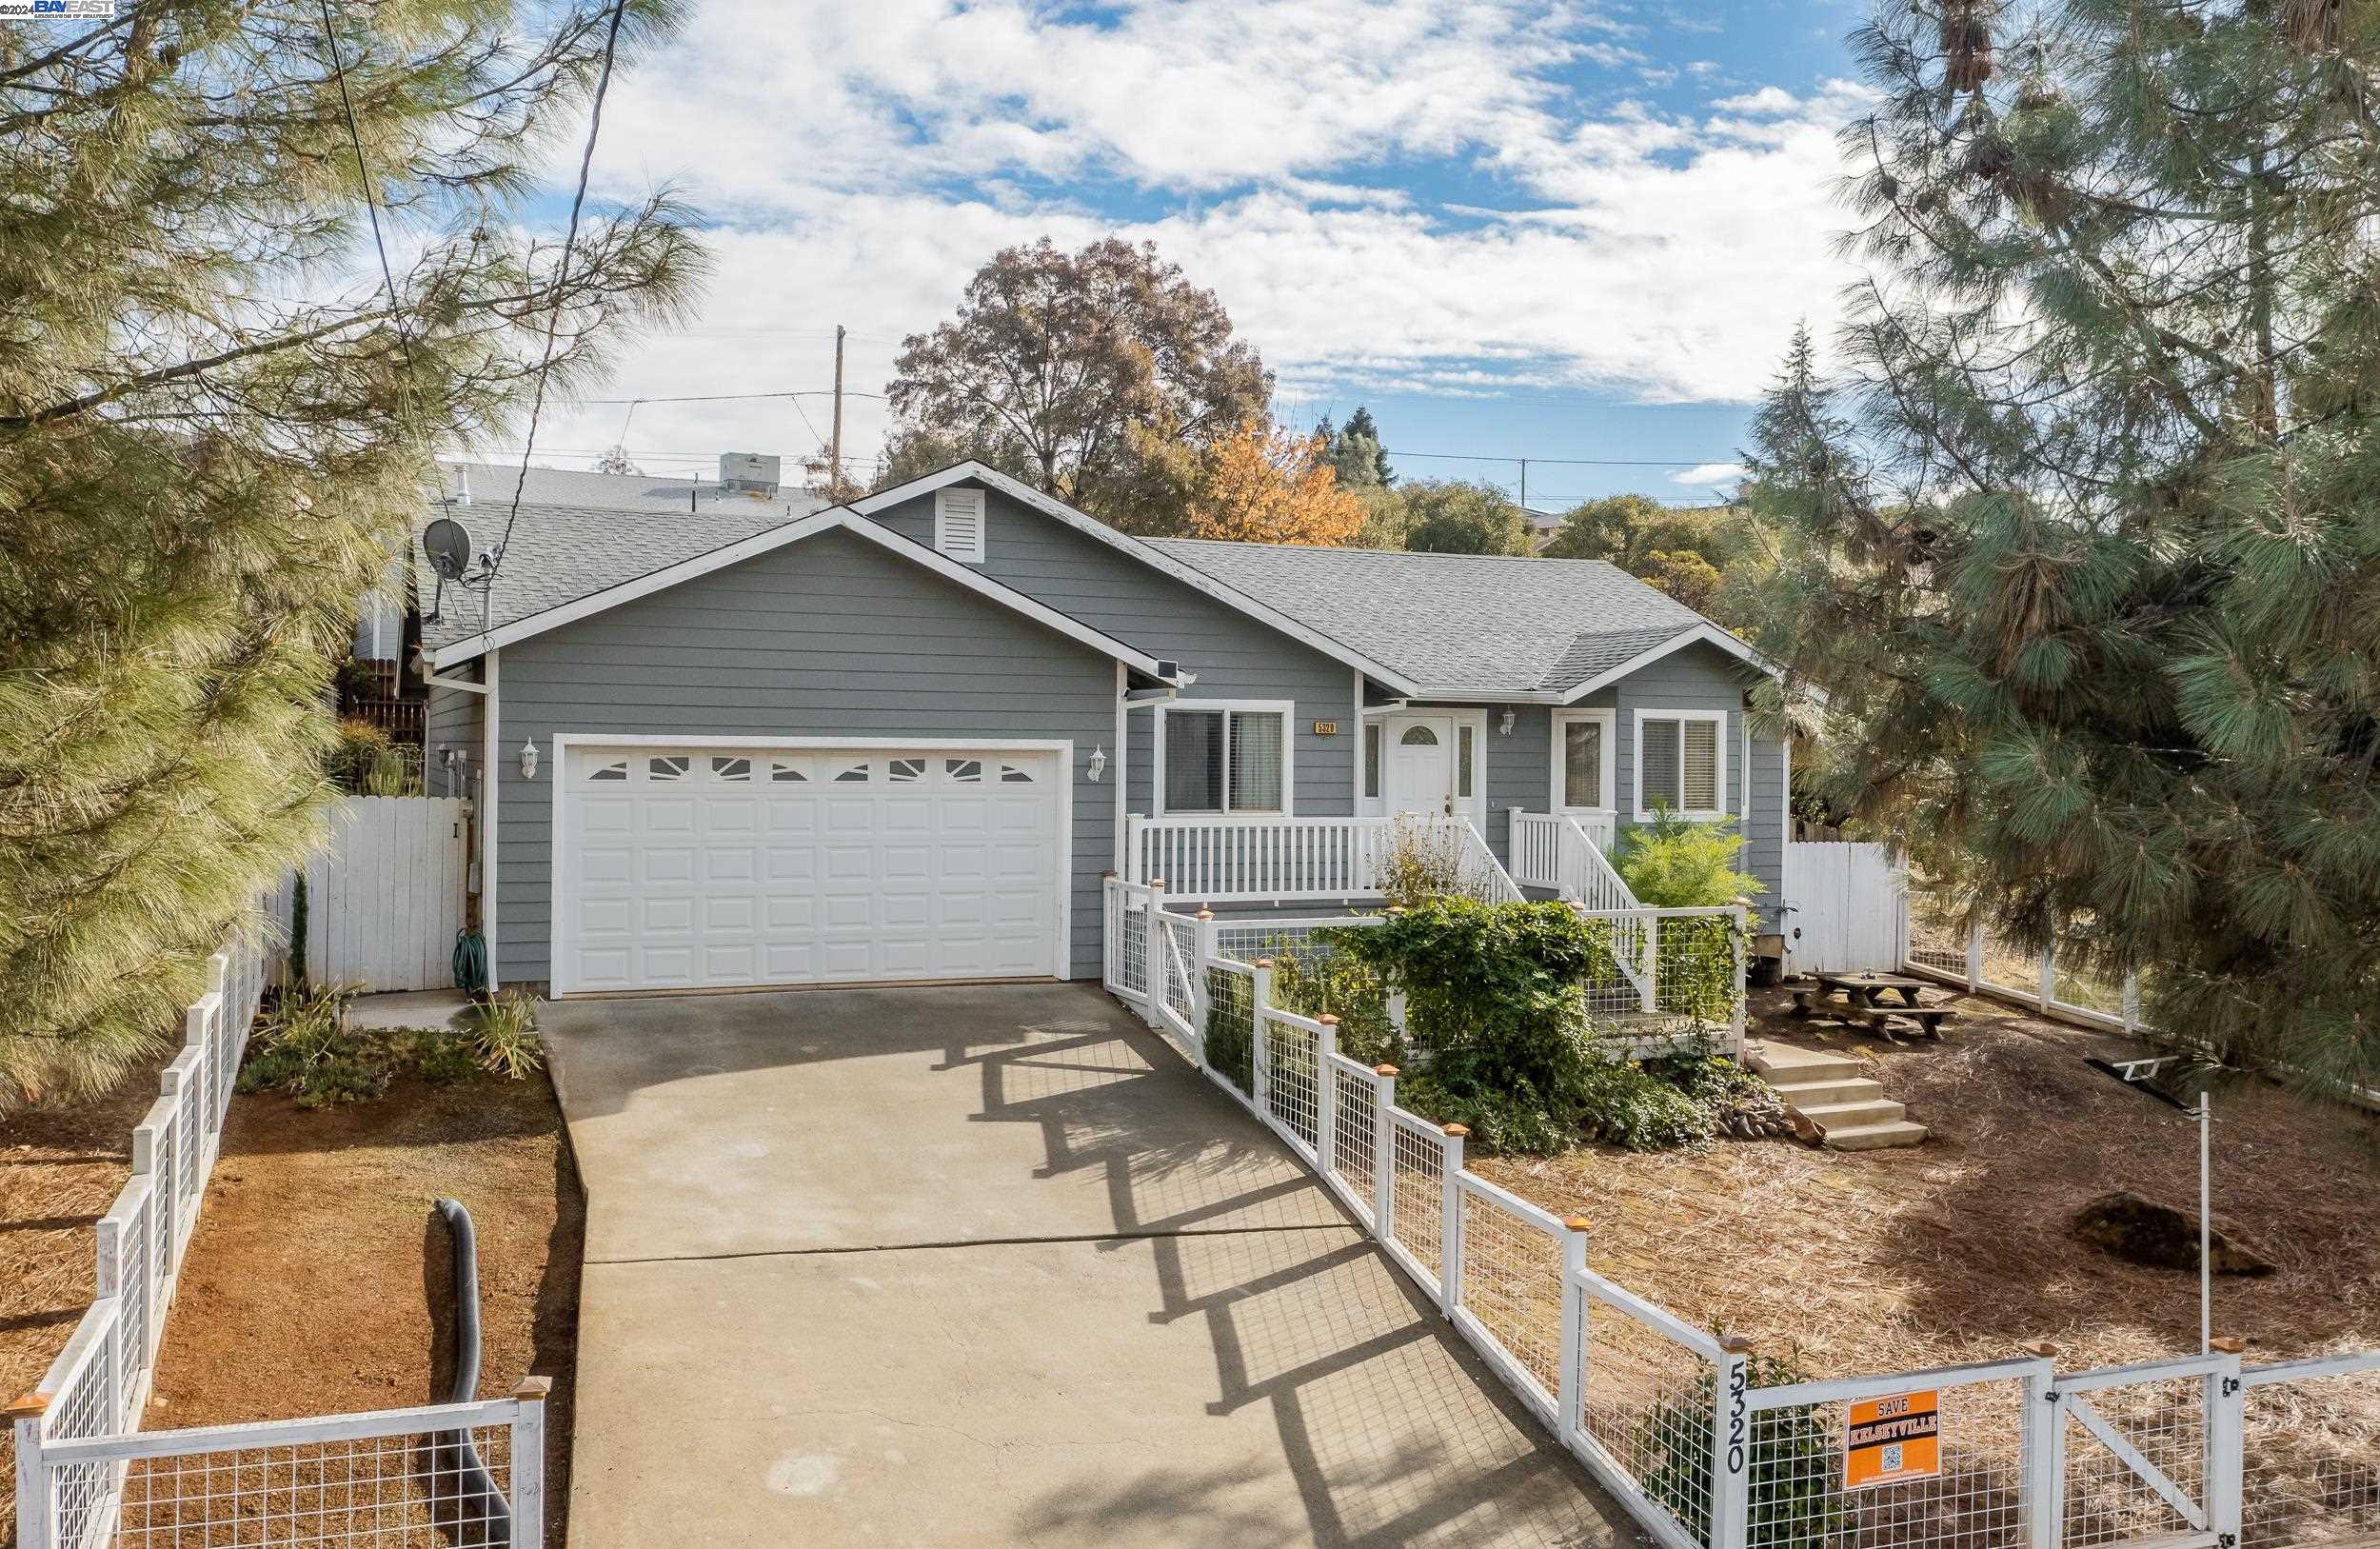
[[1672, 864]]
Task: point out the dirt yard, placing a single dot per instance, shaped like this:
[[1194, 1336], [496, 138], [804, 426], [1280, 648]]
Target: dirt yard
[[1958, 1250], [307, 1287]]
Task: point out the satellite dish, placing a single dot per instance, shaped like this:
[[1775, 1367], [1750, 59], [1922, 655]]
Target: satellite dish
[[448, 545]]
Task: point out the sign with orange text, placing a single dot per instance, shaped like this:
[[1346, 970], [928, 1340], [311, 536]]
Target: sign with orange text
[[1893, 1438]]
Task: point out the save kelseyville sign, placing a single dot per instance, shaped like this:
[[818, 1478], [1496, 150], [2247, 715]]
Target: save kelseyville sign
[[1893, 1438]]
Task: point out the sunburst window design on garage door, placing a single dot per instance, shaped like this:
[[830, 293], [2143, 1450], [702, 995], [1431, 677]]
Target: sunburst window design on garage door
[[855, 774], [963, 771], [666, 769], [739, 770], [1011, 775], [784, 771], [905, 771], [616, 770]]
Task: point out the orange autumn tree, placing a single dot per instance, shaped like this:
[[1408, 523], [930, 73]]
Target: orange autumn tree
[[1262, 484]]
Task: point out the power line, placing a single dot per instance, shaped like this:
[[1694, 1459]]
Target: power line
[[1563, 461], [561, 276], [723, 397]]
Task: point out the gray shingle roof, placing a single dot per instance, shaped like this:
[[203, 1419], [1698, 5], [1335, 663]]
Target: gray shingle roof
[[560, 554], [1455, 622]]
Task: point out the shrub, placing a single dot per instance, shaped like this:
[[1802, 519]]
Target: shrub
[[1672, 864], [304, 1048], [1315, 980], [504, 1033], [1790, 1489], [444, 1059], [1424, 860], [1632, 1107], [1230, 1035]]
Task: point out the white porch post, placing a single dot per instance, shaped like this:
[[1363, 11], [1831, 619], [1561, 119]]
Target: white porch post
[[1135, 862]]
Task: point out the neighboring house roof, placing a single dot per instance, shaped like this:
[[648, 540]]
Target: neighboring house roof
[[491, 483], [472, 639], [1466, 625]]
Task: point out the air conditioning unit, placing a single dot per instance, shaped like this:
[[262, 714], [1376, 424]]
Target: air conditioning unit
[[752, 473]]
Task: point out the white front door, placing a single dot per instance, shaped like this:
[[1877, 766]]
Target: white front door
[[707, 866], [1420, 773]]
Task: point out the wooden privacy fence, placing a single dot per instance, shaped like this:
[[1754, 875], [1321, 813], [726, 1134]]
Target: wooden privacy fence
[[1845, 909], [384, 899]]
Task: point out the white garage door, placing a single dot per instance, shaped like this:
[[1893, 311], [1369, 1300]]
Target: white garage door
[[709, 866]]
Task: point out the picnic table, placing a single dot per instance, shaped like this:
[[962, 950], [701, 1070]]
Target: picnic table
[[1863, 1003]]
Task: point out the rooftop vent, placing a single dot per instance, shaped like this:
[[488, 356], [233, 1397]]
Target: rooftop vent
[[751, 473]]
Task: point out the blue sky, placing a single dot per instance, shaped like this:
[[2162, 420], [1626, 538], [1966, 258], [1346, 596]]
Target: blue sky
[[1566, 231]]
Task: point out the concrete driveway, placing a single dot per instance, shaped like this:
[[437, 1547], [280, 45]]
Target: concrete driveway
[[993, 1265]]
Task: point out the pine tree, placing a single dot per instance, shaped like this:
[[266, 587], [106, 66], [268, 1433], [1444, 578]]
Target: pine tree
[[2084, 539], [1357, 454], [216, 416]]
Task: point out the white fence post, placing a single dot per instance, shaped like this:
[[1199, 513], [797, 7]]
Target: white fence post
[[1326, 1098], [1201, 993], [2227, 1444], [1450, 1225], [1731, 1445], [2043, 1493], [33, 1527], [1570, 1398], [1975, 957], [1735, 1013], [1258, 1063], [1384, 1155], [2132, 1001], [528, 1461], [1651, 995], [2047, 989], [1156, 959]]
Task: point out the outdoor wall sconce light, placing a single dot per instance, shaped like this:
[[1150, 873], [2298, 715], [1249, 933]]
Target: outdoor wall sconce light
[[529, 761], [1506, 725], [1099, 764]]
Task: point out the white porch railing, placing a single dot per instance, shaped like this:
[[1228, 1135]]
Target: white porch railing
[[1241, 860], [1568, 852]]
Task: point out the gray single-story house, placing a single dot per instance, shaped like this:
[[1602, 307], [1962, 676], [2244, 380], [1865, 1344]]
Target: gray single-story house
[[905, 739]]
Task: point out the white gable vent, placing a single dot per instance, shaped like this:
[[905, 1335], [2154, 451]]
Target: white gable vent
[[959, 524]]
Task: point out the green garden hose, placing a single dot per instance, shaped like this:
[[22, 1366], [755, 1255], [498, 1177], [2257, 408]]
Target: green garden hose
[[470, 962]]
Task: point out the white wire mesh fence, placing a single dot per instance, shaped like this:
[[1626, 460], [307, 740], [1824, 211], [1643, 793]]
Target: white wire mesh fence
[[1673, 1420], [2310, 1455], [99, 1383], [405, 1478]]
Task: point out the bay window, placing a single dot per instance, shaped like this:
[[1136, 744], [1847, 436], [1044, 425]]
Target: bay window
[[1223, 756]]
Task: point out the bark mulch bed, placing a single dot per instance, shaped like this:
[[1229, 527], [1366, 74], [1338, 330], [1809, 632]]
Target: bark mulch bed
[[309, 1284]]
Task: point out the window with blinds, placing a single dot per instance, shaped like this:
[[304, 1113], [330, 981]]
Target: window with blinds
[[1224, 760], [1681, 763]]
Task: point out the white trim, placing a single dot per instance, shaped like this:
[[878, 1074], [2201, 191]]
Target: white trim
[[1708, 634], [1719, 752], [491, 777], [838, 519], [1286, 709], [1608, 780], [1121, 764], [1362, 731], [969, 552], [1196, 579], [557, 938]]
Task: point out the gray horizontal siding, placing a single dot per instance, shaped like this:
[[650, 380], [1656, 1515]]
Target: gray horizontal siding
[[1235, 656], [831, 637], [451, 720]]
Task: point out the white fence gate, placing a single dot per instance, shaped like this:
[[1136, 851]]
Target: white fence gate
[[384, 898], [1846, 909]]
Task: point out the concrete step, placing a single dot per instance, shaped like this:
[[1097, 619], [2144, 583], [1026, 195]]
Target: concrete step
[[1809, 1094], [1783, 1062], [1876, 1137], [1831, 1117]]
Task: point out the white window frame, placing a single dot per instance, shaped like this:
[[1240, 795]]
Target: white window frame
[[1393, 719], [1718, 783], [973, 554], [1607, 780], [1286, 709]]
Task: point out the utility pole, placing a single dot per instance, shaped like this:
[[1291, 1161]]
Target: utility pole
[[834, 446], [1524, 483]]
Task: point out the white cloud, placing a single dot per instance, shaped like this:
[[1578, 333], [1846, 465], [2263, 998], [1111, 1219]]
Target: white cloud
[[1709, 474], [863, 160]]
